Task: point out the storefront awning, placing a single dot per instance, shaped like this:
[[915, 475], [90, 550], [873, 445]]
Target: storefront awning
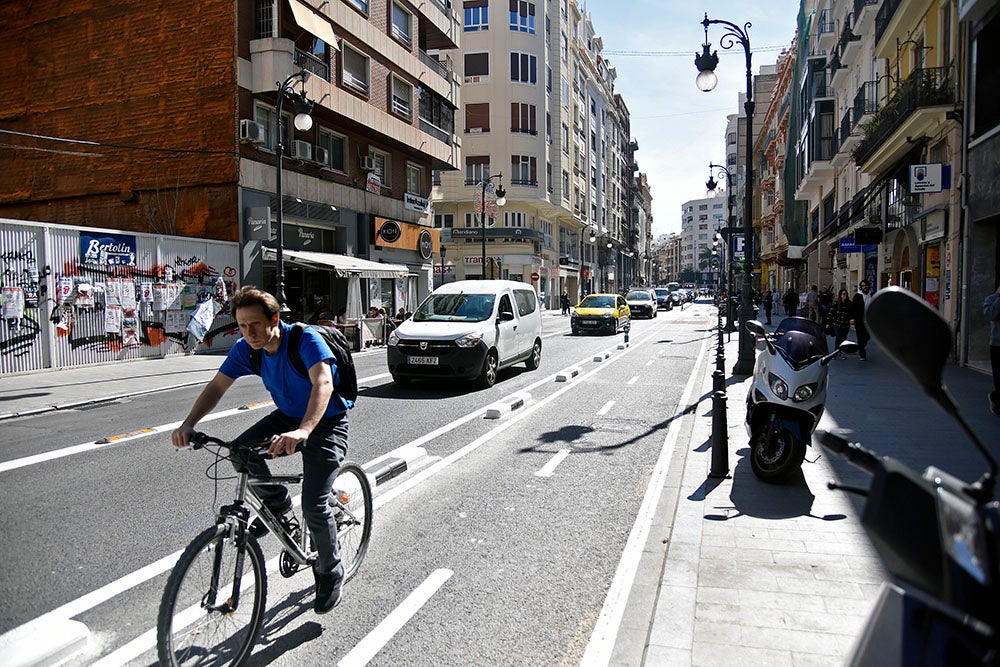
[[311, 21], [342, 265]]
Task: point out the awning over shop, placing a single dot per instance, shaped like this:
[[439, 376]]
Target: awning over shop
[[342, 265], [313, 22]]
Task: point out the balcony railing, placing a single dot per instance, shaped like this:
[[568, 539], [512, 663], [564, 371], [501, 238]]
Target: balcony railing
[[846, 125], [926, 87], [435, 64], [865, 101], [847, 35], [859, 6], [884, 16], [435, 131], [835, 63], [826, 22], [312, 64]]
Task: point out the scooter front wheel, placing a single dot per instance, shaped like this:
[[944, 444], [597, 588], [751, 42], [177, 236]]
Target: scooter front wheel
[[775, 454]]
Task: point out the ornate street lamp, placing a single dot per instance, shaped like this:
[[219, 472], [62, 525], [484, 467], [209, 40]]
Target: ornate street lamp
[[302, 122], [711, 186], [706, 63], [501, 200]]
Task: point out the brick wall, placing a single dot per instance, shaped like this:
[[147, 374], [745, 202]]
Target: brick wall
[[154, 83]]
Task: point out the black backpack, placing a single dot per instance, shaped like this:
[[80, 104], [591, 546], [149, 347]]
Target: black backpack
[[346, 383]]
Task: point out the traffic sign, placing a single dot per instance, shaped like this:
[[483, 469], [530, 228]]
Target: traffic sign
[[534, 276]]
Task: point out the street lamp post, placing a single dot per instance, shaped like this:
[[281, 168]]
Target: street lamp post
[[711, 185], [302, 122], [706, 63], [444, 251], [501, 200]]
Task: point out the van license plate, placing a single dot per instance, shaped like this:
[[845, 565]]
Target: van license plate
[[422, 361]]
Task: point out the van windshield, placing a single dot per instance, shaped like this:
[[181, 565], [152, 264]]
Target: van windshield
[[455, 308]]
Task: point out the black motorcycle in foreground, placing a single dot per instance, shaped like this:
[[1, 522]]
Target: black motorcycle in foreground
[[937, 534]]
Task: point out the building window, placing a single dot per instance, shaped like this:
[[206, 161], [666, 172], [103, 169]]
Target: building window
[[523, 67], [360, 4], [355, 69], [402, 98], [476, 64], [435, 177], [565, 185], [402, 22], [522, 16], [444, 220], [564, 47], [513, 219], [414, 178], [436, 115], [548, 176], [336, 149], [477, 15], [523, 170], [265, 116], [522, 118], [264, 24], [565, 92], [381, 161], [477, 117], [477, 169], [565, 138]]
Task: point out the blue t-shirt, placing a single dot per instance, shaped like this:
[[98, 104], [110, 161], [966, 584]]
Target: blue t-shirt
[[289, 390]]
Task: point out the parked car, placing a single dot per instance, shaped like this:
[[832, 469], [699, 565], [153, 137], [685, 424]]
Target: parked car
[[642, 302], [469, 330], [600, 312], [663, 299]]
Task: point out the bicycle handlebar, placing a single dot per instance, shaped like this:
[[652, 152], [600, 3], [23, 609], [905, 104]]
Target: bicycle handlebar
[[199, 440]]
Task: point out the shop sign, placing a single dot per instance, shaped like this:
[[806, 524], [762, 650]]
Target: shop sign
[[374, 183], [447, 269], [258, 223], [425, 244], [389, 231], [478, 259], [108, 249], [929, 178], [416, 203]]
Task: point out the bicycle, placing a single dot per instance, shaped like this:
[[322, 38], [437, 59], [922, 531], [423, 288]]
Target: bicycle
[[213, 605]]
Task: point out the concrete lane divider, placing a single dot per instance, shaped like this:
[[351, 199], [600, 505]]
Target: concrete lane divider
[[507, 405], [567, 374], [602, 356], [393, 464], [48, 641]]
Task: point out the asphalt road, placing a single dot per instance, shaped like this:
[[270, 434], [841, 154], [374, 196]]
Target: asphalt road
[[518, 565]]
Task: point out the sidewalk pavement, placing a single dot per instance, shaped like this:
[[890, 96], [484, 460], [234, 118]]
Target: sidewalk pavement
[[735, 572], [739, 572]]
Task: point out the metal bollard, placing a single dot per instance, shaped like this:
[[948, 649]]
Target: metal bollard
[[628, 325], [720, 432]]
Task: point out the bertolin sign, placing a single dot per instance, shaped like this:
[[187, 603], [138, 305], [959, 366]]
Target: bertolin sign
[[416, 203], [108, 249]]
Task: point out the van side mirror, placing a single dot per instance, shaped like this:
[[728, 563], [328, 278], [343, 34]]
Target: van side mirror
[[506, 316]]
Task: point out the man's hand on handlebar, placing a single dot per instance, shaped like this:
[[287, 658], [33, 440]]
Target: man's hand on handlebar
[[287, 443], [181, 437]]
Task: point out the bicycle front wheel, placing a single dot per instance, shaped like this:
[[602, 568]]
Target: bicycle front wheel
[[197, 623], [351, 499]]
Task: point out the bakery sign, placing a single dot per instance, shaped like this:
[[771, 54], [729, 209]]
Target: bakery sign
[[407, 236]]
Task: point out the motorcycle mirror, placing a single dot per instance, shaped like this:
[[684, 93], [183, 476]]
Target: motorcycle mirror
[[848, 347], [756, 328], [915, 336]]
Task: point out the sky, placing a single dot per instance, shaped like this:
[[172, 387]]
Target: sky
[[679, 128]]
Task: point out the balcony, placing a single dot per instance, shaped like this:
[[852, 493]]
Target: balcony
[[846, 140], [312, 64], [826, 31], [864, 14], [439, 24], [819, 85], [865, 102], [838, 70], [850, 42], [884, 17], [916, 108]]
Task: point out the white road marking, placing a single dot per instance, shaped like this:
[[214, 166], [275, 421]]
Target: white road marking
[[605, 408], [633, 379], [144, 433], [650, 362], [550, 467], [375, 640], [602, 641]]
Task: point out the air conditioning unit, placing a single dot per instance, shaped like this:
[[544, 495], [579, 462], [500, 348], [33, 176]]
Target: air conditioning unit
[[251, 131], [302, 149], [321, 155], [367, 163]]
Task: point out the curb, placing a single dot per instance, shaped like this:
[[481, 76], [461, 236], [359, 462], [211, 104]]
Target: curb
[[92, 401], [507, 405], [43, 642]]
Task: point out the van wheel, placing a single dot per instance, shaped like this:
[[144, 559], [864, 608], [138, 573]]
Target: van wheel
[[488, 376], [536, 356]]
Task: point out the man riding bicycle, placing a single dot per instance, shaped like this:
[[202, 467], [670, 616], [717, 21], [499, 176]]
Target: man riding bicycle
[[310, 417]]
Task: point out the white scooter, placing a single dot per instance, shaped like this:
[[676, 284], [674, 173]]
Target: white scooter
[[787, 396]]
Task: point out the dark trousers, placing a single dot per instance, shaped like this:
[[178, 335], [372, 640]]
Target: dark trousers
[[322, 455], [863, 338], [995, 363]]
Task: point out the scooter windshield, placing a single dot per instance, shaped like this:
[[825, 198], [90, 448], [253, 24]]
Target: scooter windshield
[[800, 341]]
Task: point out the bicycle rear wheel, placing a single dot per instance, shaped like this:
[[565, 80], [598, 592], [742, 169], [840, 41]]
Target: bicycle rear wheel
[[351, 499], [196, 626]]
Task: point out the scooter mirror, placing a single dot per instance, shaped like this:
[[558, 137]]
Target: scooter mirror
[[914, 334], [755, 327]]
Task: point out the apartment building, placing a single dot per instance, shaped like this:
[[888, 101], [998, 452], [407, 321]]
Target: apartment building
[[153, 118], [541, 120], [700, 219]]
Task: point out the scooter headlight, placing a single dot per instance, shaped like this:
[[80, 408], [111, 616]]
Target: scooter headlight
[[963, 535], [804, 393], [778, 386]]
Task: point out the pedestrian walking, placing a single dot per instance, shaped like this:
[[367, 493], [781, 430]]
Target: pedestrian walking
[[768, 304], [838, 318], [991, 309], [791, 303], [564, 302], [812, 301], [776, 297], [859, 304]]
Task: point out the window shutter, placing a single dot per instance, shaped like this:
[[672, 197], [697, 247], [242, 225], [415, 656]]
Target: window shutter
[[477, 116]]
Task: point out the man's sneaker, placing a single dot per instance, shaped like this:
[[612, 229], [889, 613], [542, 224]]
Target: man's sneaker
[[329, 588]]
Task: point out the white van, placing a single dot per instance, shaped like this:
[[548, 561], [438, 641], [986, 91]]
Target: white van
[[468, 329]]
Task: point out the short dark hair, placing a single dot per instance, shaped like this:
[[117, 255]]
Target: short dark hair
[[249, 296]]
